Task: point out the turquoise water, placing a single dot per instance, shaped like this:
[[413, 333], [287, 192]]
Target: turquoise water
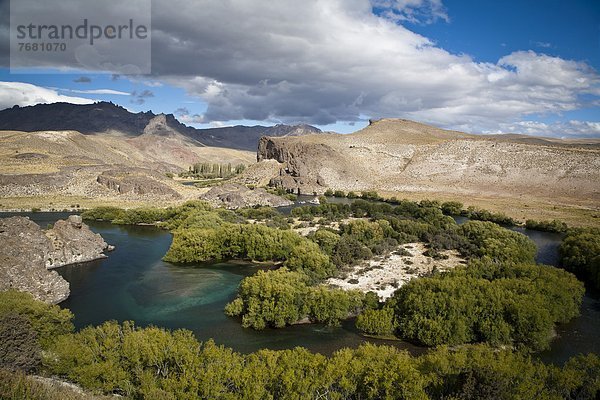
[[133, 283]]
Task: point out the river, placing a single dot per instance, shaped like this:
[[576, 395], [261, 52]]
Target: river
[[133, 283]]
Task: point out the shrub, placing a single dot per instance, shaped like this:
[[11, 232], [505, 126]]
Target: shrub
[[499, 244], [48, 321], [580, 254], [547, 226], [19, 346], [503, 304], [452, 208], [377, 322]]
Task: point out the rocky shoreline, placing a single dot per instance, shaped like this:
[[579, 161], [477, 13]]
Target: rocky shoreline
[[28, 254]]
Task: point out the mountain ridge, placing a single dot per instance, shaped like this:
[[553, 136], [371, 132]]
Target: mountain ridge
[[109, 118]]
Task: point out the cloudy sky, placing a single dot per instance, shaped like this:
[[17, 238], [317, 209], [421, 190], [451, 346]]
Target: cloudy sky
[[523, 66]]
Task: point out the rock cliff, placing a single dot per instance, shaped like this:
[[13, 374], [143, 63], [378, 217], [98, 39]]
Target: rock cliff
[[72, 241], [27, 252]]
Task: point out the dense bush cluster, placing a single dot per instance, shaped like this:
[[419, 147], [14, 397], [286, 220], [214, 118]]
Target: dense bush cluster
[[120, 216], [507, 304], [452, 208], [485, 215], [252, 242], [47, 321], [546, 226], [196, 214], [580, 254], [157, 364], [27, 327], [498, 244], [281, 297], [153, 363], [378, 322], [501, 297]]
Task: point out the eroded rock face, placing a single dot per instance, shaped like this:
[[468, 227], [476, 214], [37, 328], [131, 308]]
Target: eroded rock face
[[26, 253], [300, 164], [73, 242], [235, 196]]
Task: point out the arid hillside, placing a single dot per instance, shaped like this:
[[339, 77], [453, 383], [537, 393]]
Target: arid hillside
[[408, 159], [67, 167]]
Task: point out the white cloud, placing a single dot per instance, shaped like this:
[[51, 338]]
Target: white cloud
[[322, 62], [25, 94], [567, 129], [99, 91], [184, 116]]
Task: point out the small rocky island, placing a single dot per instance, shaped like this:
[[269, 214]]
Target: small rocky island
[[28, 253]]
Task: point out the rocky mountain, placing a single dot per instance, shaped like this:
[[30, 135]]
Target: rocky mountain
[[400, 156], [87, 118], [28, 252], [109, 118], [247, 137]]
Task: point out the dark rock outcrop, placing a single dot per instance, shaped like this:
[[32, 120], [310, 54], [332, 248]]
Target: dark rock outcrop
[[299, 161], [27, 252], [235, 196]]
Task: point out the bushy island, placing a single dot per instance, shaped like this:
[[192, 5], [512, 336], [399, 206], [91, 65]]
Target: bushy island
[[485, 317]]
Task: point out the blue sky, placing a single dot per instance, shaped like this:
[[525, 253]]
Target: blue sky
[[479, 66], [488, 30]]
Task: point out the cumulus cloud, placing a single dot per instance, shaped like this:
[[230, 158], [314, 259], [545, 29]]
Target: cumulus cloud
[[183, 114], [25, 94], [567, 129], [322, 62]]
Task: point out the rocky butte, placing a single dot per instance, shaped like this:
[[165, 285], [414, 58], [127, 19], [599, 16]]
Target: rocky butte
[[401, 156], [28, 254]]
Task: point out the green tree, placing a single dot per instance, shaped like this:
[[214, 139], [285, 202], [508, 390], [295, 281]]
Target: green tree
[[377, 322], [452, 207], [580, 254]]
